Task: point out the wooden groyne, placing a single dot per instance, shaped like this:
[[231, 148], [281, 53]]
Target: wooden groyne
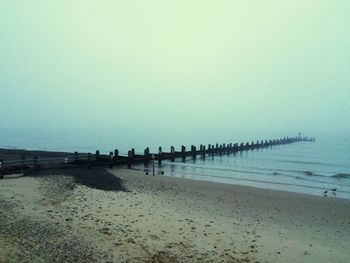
[[20, 160]]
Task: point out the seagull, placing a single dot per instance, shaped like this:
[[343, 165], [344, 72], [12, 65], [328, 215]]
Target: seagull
[[325, 192], [334, 189]]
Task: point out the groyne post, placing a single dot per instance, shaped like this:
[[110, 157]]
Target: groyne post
[[130, 158], [241, 146], [230, 148], [183, 152], [160, 155], [193, 150], [111, 159], [97, 155], [172, 154], [116, 154], [146, 155]]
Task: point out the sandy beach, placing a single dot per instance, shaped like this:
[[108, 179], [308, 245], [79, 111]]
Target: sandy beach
[[53, 217]]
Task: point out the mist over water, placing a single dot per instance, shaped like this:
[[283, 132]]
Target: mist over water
[[85, 75], [304, 167]]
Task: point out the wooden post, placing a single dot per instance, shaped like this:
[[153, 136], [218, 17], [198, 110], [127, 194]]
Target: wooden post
[[97, 155], [241, 146], [146, 156], [183, 152], [116, 154], [160, 155], [129, 158], [194, 154], [172, 154], [235, 147], [111, 159]]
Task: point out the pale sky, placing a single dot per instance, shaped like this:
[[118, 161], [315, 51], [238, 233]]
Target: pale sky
[[155, 65]]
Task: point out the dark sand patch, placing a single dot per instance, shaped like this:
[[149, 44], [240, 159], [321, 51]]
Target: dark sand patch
[[96, 178]]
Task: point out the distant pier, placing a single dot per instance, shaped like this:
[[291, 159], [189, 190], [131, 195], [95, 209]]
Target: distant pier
[[14, 161]]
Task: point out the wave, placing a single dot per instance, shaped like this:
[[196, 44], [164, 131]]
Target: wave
[[338, 175], [341, 175], [309, 162], [219, 178], [308, 176]]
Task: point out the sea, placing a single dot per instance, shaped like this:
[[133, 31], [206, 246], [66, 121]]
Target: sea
[[320, 168]]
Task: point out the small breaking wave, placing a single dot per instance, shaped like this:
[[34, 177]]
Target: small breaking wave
[[341, 175]]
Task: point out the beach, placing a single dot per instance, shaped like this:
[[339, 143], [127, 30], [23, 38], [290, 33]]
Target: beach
[[53, 217]]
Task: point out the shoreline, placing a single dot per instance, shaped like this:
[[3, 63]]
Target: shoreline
[[259, 184], [167, 219]]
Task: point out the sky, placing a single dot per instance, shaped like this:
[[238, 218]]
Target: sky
[[146, 68]]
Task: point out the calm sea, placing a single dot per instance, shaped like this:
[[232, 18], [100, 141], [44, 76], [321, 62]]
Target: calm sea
[[304, 167]]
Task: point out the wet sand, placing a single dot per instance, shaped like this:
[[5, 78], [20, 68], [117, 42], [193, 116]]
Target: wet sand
[[56, 218]]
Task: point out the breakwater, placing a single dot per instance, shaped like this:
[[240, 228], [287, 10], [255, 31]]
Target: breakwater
[[12, 161]]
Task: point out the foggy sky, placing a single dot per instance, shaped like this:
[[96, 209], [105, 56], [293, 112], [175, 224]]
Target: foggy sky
[[205, 66]]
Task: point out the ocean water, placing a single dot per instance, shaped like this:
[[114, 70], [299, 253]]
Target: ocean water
[[304, 167]]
